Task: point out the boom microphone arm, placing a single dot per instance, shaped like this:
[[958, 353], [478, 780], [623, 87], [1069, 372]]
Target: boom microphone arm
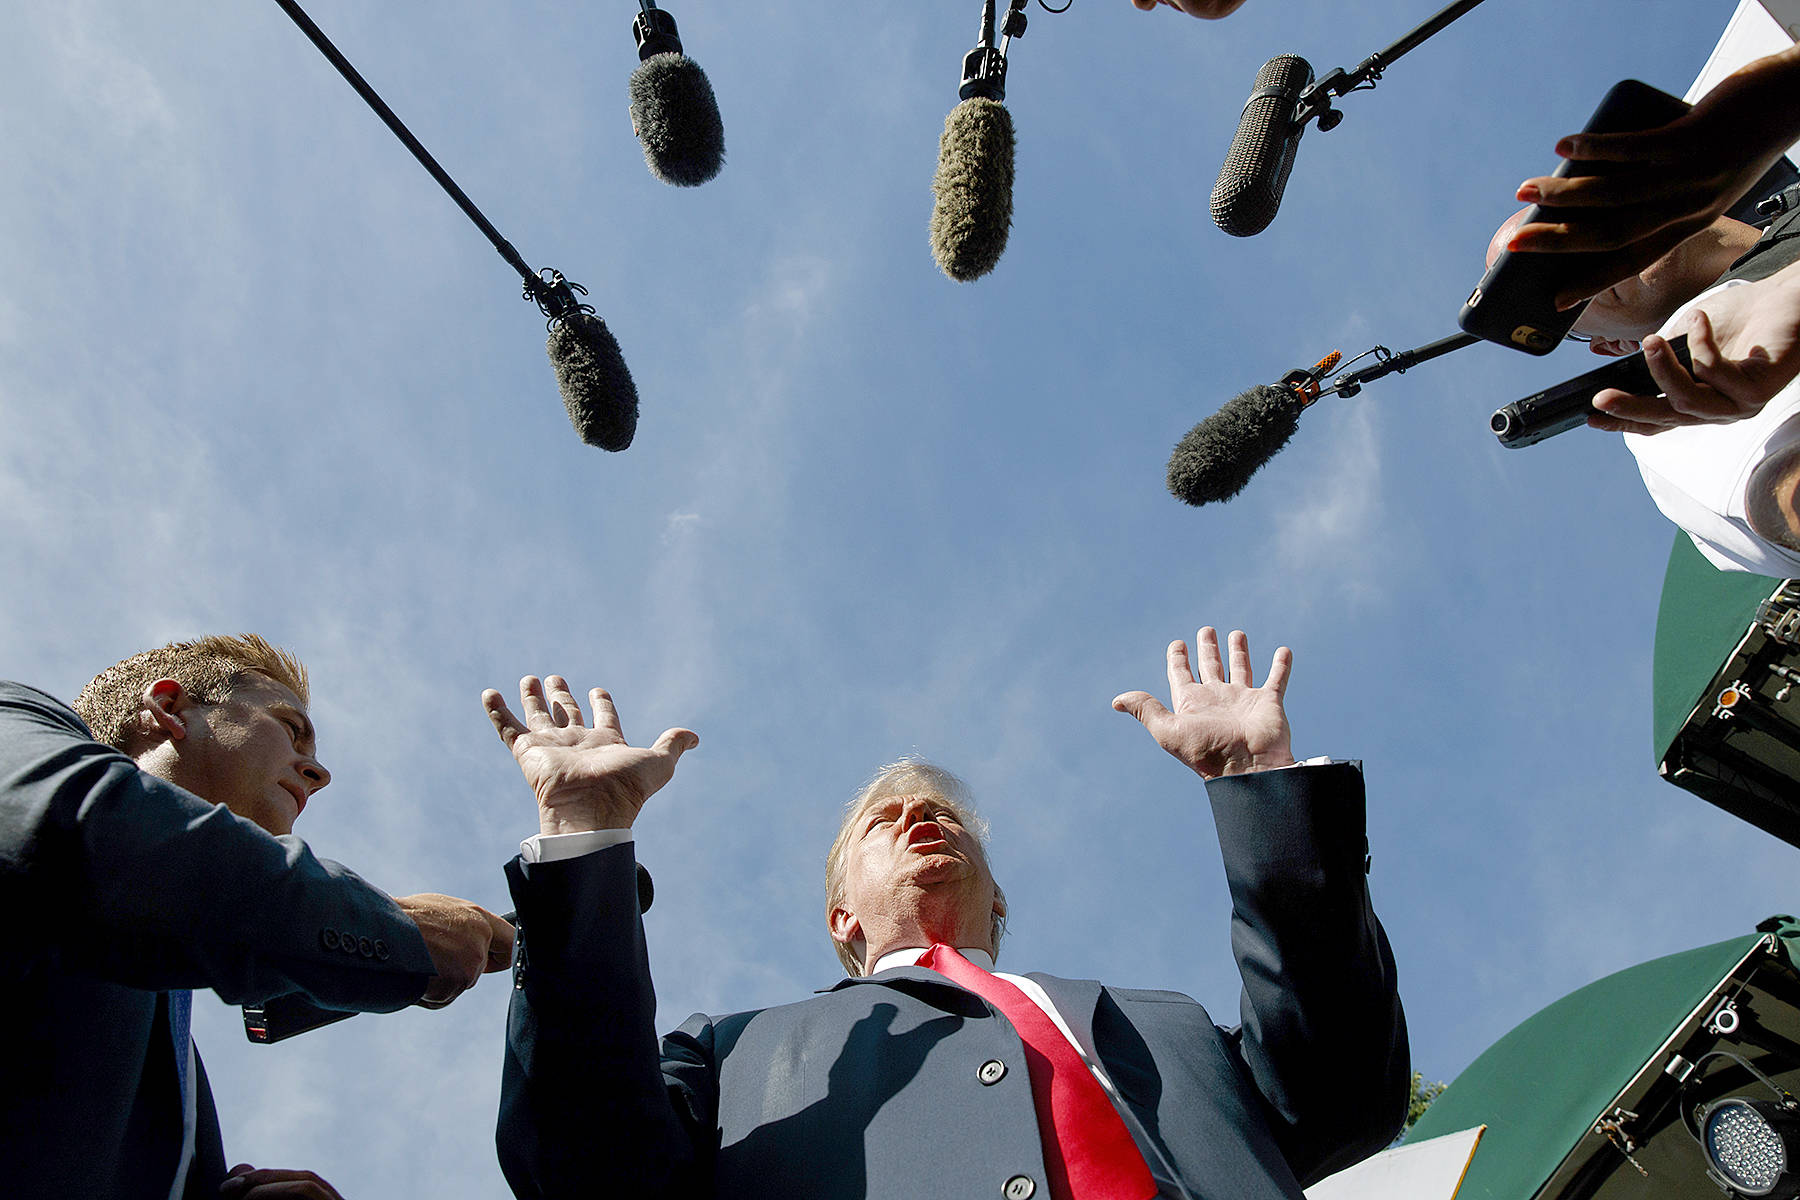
[[596, 385], [535, 287], [1315, 101], [1350, 382]]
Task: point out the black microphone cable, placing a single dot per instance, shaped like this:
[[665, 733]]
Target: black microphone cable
[[596, 386], [1285, 97]]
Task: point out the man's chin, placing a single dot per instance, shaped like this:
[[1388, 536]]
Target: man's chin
[[273, 816], [938, 867]]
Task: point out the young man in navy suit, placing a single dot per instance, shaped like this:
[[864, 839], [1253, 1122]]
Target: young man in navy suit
[[147, 842]]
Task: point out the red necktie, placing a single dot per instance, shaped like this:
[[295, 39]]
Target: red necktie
[[1088, 1152]]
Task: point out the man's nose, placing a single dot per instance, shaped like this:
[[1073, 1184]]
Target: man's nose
[[315, 774], [916, 809]]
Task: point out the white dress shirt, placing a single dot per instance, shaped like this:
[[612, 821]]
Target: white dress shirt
[[1698, 474]]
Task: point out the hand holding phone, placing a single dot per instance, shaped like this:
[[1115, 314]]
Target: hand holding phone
[[1515, 302]]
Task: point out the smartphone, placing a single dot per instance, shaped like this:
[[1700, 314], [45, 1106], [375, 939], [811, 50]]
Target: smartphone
[[1561, 408], [287, 1016], [1515, 302]]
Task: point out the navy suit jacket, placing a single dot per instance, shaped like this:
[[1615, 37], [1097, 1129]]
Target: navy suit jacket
[[120, 887], [849, 1093]]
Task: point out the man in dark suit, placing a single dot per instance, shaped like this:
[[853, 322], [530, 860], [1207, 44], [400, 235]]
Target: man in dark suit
[[925, 1073], [157, 860]]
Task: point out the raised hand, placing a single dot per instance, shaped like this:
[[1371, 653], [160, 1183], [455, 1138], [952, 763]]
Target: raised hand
[[1210, 10], [584, 778], [1218, 725]]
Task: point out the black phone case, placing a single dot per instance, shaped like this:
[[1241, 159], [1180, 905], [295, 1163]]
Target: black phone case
[[284, 1017], [1515, 302]]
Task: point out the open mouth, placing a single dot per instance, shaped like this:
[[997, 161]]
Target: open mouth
[[925, 833]]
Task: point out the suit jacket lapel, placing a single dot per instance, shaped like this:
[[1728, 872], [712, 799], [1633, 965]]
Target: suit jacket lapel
[[1076, 1000]]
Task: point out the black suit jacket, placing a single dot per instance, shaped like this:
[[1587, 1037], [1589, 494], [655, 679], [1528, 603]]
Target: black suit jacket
[[845, 1094], [121, 886]]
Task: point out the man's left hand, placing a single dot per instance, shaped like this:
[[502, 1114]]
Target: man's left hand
[[1215, 724], [248, 1183]]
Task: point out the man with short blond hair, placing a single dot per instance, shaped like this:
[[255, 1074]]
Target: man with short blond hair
[[150, 851], [206, 668]]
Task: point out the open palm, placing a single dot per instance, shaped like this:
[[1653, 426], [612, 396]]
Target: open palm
[[1218, 724], [584, 777]]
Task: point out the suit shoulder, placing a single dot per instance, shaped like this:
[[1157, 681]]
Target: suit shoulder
[[21, 701], [1151, 996]]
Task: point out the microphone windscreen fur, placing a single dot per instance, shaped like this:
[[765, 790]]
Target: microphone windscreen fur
[[1220, 454], [595, 382], [676, 117], [974, 183]]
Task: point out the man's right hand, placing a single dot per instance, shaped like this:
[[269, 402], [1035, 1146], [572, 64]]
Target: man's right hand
[[1745, 345], [584, 779], [466, 941]]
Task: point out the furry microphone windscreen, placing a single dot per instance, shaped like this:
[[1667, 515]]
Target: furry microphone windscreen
[[596, 384], [1220, 454], [676, 117], [974, 186]]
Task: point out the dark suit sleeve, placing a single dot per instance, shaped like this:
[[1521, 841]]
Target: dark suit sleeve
[[1323, 1036], [589, 1105], [119, 875]]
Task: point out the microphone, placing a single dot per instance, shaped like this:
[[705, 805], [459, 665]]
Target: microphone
[[1220, 454], [596, 385], [973, 185], [673, 110], [1250, 184], [1566, 405]]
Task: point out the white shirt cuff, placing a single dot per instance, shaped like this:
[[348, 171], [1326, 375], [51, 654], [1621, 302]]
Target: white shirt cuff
[[554, 847], [1323, 760]]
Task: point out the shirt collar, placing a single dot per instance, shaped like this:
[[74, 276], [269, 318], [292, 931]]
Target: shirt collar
[[910, 956]]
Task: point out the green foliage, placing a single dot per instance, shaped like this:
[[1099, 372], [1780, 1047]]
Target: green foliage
[[1418, 1101]]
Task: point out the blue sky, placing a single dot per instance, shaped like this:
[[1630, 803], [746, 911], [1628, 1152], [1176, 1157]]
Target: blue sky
[[257, 372]]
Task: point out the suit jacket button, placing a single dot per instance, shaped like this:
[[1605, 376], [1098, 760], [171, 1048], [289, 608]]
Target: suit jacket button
[[992, 1071], [1019, 1187], [381, 950], [329, 939], [347, 943], [365, 946]]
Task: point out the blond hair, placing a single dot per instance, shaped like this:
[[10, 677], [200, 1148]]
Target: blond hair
[[207, 669], [908, 777]]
